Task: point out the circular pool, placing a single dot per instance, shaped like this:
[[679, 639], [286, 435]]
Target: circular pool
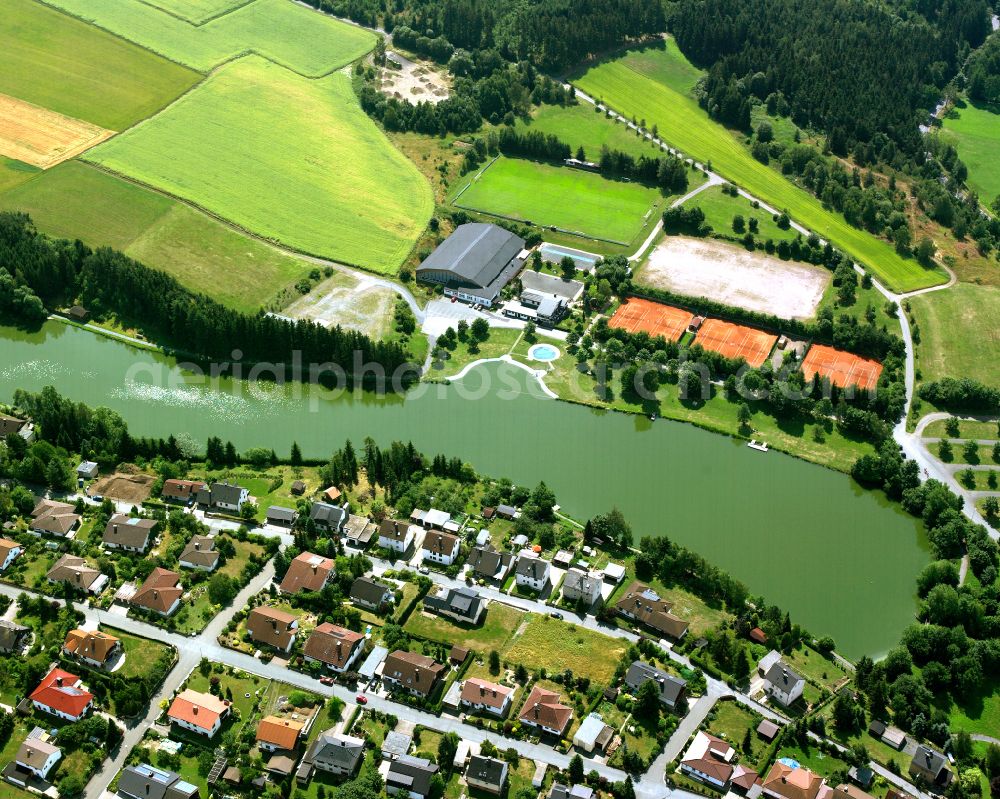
[[543, 352]]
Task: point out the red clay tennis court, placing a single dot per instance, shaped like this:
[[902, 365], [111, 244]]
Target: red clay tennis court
[[655, 318], [842, 369], [736, 341]]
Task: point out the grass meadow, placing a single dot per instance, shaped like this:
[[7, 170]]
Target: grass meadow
[[13, 173], [196, 11], [309, 168], [975, 130], [556, 645], [655, 85], [959, 332], [559, 196], [296, 37], [720, 208], [63, 64]]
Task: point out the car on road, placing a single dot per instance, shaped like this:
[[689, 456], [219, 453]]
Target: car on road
[[362, 699], [424, 570], [326, 680], [555, 614]]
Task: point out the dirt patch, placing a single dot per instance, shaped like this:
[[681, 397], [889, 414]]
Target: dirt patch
[[133, 488], [353, 303], [734, 276], [43, 138], [413, 81]]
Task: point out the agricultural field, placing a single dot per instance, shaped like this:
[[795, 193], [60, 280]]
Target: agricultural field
[[303, 40], [975, 131], [309, 170], [655, 84], [76, 200], [39, 137], [959, 333], [196, 11], [556, 645], [62, 64], [558, 196], [13, 173]]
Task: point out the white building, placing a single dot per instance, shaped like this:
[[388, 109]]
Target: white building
[[397, 536], [37, 756], [782, 684], [440, 547], [532, 572]]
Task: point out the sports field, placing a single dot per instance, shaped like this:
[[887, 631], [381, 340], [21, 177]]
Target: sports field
[[654, 84], [736, 341], [75, 69], [841, 368], [290, 159], [76, 200], [303, 40], [571, 199], [637, 315], [43, 138], [959, 333], [975, 131]]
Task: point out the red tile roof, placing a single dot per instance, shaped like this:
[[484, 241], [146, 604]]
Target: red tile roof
[[545, 709], [201, 710], [59, 690], [308, 572]]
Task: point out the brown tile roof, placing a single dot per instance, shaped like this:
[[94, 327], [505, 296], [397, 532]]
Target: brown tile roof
[[160, 590], [481, 692], [271, 626], [202, 710], [643, 604], [396, 530], [74, 570], [414, 671], [718, 769], [308, 572], [331, 644], [10, 424], [91, 644], [124, 531], [53, 517], [745, 778], [6, 546], [792, 783], [182, 489], [200, 551], [545, 708], [283, 733], [440, 543]]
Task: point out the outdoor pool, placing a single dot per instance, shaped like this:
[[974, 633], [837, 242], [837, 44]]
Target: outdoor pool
[[543, 352]]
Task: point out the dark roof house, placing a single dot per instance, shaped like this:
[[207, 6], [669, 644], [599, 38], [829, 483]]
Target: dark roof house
[[461, 604], [671, 688], [146, 782]]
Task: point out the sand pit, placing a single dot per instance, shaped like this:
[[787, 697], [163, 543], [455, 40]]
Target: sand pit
[[41, 137], [734, 276], [354, 304], [134, 488], [413, 82]]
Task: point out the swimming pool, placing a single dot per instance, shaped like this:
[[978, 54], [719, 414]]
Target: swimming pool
[[543, 352], [553, 253]]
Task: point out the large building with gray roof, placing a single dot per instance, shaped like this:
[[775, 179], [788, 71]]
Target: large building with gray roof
[[474, 263]]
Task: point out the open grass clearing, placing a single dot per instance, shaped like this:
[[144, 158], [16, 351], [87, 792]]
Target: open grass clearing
[[75, 69], [975, 131], [858, 309], [730, 721], [980, 479], [984, 454], [655, 83], [732, 275], [812, 758], [559, 196], [959, 333], [141, 654], [78, 201], [499, 624], [555, 646], [720, 208], [289, 34], [966, 429], [813, 666], [309, 169], [500, 340]]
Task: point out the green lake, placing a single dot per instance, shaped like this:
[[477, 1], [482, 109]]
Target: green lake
[[842, 560]]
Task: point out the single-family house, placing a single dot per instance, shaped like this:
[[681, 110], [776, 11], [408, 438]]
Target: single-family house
[[144, 781], [930, 766], [87, 470], [128, 534], [307, 572], [52, 518], [781, 682], [396, 535], [410, 777], [488, 563], [593, 734], [223, 496], [358, 531], [328, 517], [160, 593], [508, 512], [9, 552], [75, 571], [464, 605], [861, 776], [184, 491], [560, 791], [273, 627], [544, 710], [10, 425], [280, 516], [487, 774], [274, 733], [411, 672], [13, 636], [335, 647], [63, 695], [371, 594], [580, 587], [440, 548], [200, 553], [744, 781], [486, 697], [785, 781], [532, 572], [93, 647], [335, 754], [671, 688], [37, 756], [709, 760], [198, 712], [642, 604]]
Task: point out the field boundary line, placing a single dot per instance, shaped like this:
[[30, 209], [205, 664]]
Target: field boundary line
[[579, 234], [205, 21], [473, 179]]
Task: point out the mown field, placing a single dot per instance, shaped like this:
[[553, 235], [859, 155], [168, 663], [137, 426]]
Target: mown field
[[196, 11], [78, 201], [959, 333], [309, 168], [558, 196], [13, 173], [305, 41], [720, 209], [63, 64], [655, 84], [975, 131]]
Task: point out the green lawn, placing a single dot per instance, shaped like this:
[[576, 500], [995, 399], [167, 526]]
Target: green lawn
[[309, 168], [297, 38], [813, 666], [980, 480], [655, 84], [78, 201], [813, 759], [720, 209], [558, 196], [141, 654], [63, 64], [975, 130], [966, 429], [499, 624], [959, 333], [859, 308], [984, 457], [556, 645], [730, 720], [499, 343]]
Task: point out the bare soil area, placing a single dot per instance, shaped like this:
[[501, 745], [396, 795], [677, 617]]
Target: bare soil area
[[134, 488], [734, 276], [352, 303], [413, 81], [43, 138]]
